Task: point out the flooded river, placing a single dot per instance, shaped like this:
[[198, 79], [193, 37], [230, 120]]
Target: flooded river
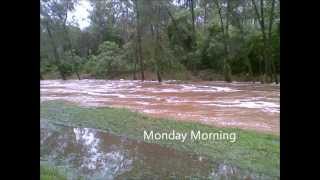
[[93, 154], [242, 105]]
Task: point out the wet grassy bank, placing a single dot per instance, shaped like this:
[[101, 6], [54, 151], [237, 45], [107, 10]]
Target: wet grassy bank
[[253, 151], [49, 172]]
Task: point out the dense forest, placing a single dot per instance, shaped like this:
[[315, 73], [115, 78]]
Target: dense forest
[[162, 39]]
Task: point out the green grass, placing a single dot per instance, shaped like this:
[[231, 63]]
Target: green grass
[[254, 151], [48, 172]]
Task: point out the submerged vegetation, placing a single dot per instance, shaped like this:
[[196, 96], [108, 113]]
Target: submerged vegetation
[[173, 39], [253, 151]]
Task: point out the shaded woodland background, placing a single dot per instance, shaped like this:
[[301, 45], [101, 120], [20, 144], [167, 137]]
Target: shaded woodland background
[[163, 39]]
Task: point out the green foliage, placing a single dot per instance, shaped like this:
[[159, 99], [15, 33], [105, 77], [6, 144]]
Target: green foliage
[[46, 66], [212, 51], [109, 59], [109, 44], [180, 32]]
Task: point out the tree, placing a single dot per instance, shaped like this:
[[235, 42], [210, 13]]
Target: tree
[[107, 62], [225, 33], [139, 48], [54, 14]]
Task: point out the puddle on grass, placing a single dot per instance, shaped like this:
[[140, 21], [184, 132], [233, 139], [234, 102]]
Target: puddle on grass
[[94, 154], [242, 105]]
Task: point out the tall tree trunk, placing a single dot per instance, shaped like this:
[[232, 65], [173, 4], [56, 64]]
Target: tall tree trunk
[[191, 5], [273, 68], [227, 23], [126, 25], [157, 47], [226, 66], [139, 41], [205, 18], [135, 62], [222, 27], [271, 19]]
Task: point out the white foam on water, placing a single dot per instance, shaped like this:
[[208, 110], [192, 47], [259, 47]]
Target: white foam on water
[[202, 88], [249, 103], [143, 103]]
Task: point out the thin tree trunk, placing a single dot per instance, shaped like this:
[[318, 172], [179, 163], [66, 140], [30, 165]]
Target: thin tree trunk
[[126, 24], [227, 23], [205, 19], [205, 16], [271, 19], [157, 48], [273, 68], [191, 4], [222, 27], [78, 76], [139, 41], [262, 21], [135, 62]]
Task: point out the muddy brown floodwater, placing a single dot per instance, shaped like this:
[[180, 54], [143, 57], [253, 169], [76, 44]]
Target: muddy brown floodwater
[[241, 105], [94, 154]]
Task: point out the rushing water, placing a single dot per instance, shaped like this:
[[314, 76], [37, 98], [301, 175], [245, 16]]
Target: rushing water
[[243, 105], [94, 154]]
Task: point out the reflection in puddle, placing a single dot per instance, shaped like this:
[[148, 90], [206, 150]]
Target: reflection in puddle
[[99, 155], [96, 160], [242, 105]]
